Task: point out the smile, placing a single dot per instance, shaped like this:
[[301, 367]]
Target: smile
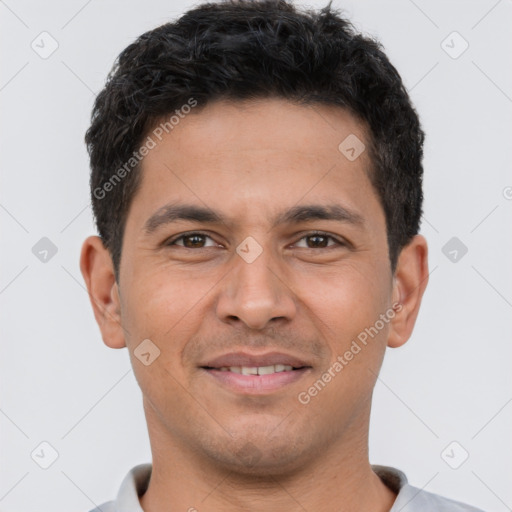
[[257, 370], [256, 380], [243, 372]]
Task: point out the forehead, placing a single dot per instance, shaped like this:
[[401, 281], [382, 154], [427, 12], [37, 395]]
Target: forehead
[[248, 158], [263, 125]]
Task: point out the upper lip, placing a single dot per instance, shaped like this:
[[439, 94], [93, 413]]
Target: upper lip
[[254, 360]]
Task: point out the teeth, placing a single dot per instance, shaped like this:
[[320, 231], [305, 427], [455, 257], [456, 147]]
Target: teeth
[[247, 370], [260, 370], [265, 370]]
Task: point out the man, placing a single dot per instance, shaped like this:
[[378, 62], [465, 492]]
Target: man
[[256, 183]]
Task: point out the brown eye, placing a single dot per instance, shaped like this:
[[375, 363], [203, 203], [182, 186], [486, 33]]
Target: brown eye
[[320, 241], [192, 241]]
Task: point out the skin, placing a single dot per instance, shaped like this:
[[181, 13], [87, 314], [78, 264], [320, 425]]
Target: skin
[[219, 450]]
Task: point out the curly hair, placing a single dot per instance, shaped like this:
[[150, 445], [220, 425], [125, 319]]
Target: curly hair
[[250, 49]]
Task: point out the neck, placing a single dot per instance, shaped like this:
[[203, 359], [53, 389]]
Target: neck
[[341, 475]]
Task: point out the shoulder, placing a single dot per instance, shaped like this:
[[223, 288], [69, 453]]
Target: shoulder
[[412, 499], [132, 487]]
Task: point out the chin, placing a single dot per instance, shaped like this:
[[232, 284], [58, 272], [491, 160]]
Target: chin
[[259, 452]]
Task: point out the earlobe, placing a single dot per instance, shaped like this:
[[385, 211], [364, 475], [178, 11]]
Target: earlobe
[[410, 281], [98, 272]]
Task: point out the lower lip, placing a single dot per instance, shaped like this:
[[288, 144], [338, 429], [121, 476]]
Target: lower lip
[[257, 384]]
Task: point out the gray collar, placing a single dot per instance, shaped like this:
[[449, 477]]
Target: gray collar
[[409, 498]]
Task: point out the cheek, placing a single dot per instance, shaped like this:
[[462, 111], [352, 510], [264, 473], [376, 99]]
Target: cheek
[[165, 311], [163, 298], [169, 308], [350, 301], [349, 310]]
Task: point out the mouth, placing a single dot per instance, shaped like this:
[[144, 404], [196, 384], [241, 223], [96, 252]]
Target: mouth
[[256, 374]]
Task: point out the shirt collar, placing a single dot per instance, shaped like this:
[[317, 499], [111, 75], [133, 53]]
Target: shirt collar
[[136, 482], [134, 485]]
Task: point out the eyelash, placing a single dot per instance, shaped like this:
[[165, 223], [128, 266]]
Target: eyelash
[[339, 242]]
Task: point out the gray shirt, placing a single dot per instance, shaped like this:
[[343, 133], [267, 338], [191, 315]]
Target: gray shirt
[[409, 498]]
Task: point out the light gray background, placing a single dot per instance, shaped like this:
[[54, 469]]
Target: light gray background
[[60, 384]]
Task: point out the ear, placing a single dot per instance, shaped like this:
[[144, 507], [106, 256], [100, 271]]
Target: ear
[[409, 283], [98, 272]]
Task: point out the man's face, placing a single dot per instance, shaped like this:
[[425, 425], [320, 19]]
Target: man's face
[[256, 290]]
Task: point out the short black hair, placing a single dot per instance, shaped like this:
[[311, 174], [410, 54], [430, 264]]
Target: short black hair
[[253, 49]]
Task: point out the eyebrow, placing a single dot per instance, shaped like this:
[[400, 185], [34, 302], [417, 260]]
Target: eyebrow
[[171, 213]]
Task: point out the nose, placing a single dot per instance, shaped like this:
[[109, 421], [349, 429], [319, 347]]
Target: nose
[[255, 293]]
